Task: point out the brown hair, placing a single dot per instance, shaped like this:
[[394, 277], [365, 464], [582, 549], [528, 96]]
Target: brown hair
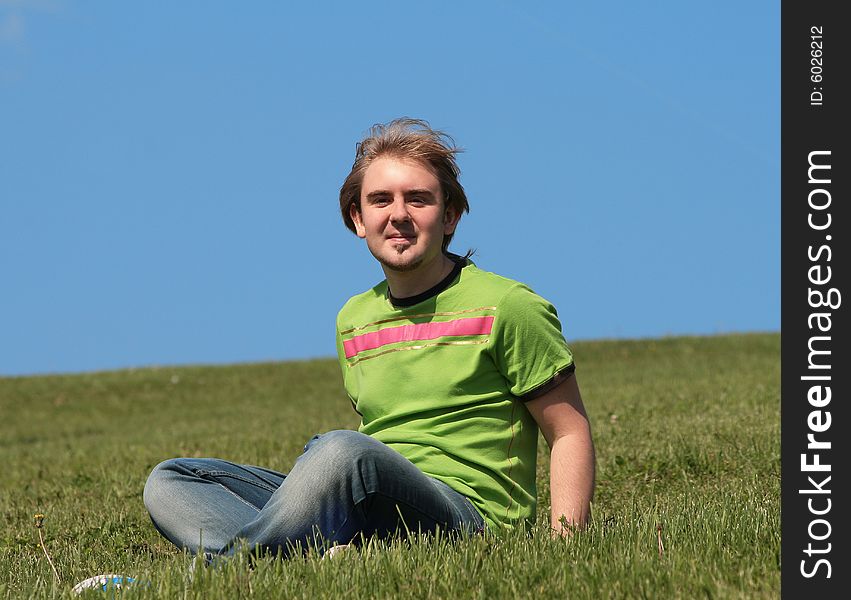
[[411, 139]]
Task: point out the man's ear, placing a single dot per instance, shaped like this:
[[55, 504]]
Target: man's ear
[[450, 220], [354, 213]]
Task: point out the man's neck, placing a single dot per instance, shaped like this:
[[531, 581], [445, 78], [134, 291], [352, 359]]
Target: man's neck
[[404, 284]]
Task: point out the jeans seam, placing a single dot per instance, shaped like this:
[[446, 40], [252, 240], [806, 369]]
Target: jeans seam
[[473, 513], [477, 519], [238, 497], [213, 474]]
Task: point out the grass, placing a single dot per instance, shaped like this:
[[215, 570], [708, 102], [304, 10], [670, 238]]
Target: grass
[[687, 437]]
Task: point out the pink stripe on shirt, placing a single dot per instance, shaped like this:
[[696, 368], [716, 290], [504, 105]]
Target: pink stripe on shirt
[[419, 331]]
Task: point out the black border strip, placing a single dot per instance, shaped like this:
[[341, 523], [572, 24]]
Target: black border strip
[[814, 517]]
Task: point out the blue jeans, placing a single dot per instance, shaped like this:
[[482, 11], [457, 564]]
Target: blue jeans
[[343, 485]]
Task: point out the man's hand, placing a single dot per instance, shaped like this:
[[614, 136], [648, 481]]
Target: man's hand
[[561, 416]]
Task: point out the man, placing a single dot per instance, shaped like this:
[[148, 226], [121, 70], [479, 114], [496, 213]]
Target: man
[[453, 370]]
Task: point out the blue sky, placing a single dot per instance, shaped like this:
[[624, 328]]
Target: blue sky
[[169, 171]]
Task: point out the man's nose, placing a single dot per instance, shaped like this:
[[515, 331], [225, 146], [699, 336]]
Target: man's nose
[[399, 211]]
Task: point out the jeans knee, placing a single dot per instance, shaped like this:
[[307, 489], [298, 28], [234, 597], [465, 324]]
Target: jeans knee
[[156, 486], [343, 457], [344, 446]]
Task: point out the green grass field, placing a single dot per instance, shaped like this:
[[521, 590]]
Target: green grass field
[[687, 432]]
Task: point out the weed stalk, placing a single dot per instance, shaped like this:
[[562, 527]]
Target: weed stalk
[[39, 524]]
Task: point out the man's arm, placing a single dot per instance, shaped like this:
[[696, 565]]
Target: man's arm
[[561, 416]]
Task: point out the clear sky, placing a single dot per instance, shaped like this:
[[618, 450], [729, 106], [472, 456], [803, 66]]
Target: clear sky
[[169, 171]]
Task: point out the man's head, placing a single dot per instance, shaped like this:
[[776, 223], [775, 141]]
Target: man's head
[[406, 140]]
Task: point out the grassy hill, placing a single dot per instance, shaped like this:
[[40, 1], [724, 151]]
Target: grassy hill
[[687, 432]]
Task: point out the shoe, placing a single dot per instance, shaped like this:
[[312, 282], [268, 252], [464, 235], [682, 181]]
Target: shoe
[[200, 561], [335, 550], [107, 582]]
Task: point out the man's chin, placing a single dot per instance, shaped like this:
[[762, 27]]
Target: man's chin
[[401, 265]]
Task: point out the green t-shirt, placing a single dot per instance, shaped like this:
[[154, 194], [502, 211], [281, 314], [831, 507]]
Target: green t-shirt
[[443, 381]]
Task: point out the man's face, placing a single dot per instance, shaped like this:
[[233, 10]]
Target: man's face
[[402, 215]]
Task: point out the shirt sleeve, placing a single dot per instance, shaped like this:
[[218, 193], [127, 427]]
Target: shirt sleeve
[[527, 344]]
